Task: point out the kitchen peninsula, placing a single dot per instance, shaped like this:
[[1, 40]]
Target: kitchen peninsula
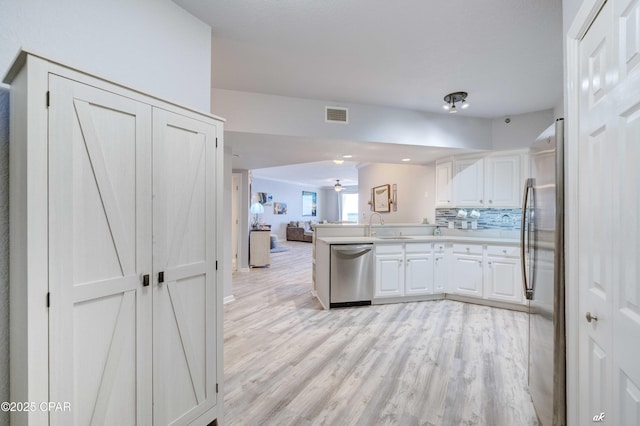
[[408, 263]]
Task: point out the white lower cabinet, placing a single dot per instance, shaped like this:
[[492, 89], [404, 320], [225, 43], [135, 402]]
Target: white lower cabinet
[[418, 269], [440, 267], [490, 272], [389, 276], [467, 270], [503, 274], [403, 270]]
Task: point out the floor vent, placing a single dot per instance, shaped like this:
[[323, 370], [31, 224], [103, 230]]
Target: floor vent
[[336, 115]]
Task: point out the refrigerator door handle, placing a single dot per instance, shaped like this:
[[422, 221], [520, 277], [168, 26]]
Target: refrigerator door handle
[[525, 244]]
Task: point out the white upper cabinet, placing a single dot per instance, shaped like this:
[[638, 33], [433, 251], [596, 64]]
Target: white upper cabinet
[[468, 182], [494, 180], [503, 181], [444, 194]]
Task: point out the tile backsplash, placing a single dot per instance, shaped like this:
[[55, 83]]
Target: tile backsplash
[[504, 219]]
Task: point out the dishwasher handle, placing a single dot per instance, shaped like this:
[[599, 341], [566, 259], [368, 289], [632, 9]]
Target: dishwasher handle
[[352, 250]]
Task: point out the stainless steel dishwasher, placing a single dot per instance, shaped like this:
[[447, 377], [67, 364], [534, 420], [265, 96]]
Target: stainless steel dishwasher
[[351, 275]]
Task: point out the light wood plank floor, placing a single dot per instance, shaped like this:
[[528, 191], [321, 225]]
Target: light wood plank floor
[[289, 362]]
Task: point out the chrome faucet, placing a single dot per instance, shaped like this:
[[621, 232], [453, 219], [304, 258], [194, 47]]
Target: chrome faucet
[[370, 217]]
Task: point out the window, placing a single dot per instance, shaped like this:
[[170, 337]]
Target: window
[[349, 207]]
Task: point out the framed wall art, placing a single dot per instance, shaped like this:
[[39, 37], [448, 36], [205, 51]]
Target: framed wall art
[[308, 203], [265, 198], [279, 208], [381, 198]]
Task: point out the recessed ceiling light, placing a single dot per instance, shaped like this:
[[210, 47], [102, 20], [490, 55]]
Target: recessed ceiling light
[[338, 161], [406, 159], [347, 156]]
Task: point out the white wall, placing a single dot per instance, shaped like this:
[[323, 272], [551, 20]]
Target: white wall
[[244, 220], [291, 195], [415, 191], [521, 131], [280, 115], [151, 45], [329, 209]]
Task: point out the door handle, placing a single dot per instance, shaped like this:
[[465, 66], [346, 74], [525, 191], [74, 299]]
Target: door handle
[[591, 317], [145, 280], [525, 242]]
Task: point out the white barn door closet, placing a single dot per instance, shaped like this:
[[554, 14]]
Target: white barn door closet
[[116, 300]]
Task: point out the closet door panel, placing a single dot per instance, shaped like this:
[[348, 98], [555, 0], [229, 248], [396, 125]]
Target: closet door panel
[[100, 233], [184, 235]]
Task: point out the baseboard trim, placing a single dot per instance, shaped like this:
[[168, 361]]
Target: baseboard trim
[[229, 299], [487, 302]]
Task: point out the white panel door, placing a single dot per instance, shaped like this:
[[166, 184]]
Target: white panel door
[[440, 273], [389, 275], [467, 275], [443, 184], [595, 198], [503, 181], [418, 274], [609, 237], [468, 182], [100, 247], [503, 279], [184, 304]]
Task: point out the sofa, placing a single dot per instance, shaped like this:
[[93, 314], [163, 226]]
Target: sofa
[[300, 231]]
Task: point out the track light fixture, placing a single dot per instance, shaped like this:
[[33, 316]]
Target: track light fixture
[[452, 98]]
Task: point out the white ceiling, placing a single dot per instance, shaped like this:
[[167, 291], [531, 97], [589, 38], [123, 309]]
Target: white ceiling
[[507, 54]]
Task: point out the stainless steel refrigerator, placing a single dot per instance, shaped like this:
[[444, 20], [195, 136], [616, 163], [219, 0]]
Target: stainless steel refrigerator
[[542, 244]]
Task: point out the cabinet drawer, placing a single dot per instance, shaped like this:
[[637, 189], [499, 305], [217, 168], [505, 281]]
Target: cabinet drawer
[[503, 251], [389, 249], [418, 247], [467, 249]]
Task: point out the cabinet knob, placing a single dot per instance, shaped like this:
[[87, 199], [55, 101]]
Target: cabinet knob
[[591, 317], [490, 201], [504, 251], [480, 201]]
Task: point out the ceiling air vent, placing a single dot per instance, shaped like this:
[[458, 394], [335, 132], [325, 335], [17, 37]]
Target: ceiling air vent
[[336, 115]]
